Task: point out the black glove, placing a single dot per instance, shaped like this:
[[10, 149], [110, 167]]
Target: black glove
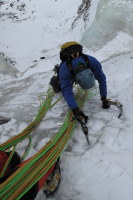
[[79, 115], [105, 103]]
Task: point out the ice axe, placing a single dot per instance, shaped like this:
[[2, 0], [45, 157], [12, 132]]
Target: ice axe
[[84, 127], [118, 105]]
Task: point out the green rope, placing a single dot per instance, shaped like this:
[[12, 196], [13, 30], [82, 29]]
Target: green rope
[[56, 101], [8, 161], [32, 163], [28, 148], [44, 107], [53, 142]]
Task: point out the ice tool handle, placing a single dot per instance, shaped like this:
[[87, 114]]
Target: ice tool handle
[[83, 125]]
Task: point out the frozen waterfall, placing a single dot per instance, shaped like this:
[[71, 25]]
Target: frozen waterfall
[[111, 18]]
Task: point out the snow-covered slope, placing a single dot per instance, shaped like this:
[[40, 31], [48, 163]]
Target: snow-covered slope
[[37, 30], [104, 171]]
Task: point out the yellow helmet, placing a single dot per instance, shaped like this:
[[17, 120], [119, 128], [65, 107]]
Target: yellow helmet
[[68, 44], [69, 48]]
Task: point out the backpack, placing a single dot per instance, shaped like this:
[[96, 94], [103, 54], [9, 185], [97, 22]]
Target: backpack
[[82, 74], [54, 82]]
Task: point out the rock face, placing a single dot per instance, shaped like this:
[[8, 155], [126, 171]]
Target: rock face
[[83, 12], [15, 10], [4, 120], [6, 68]]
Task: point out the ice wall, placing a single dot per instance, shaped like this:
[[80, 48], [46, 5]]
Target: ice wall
[[111, 18]]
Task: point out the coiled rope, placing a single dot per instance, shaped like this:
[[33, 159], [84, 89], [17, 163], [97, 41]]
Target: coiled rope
[[31, 171]]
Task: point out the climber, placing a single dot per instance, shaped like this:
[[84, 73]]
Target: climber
[[82, 69]]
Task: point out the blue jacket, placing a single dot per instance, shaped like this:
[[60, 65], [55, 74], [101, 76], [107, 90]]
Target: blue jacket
[[66, 79]]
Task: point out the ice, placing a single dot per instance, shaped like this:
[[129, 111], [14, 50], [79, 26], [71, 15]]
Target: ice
[[103, 171]]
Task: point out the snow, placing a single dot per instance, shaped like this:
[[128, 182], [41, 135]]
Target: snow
[[103, 171]]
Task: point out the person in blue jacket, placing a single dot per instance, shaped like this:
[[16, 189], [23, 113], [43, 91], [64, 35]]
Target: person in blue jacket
[[71, 55]]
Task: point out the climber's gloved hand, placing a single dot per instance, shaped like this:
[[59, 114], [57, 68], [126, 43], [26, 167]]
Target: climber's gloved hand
[[105, 103], [79, 115]]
